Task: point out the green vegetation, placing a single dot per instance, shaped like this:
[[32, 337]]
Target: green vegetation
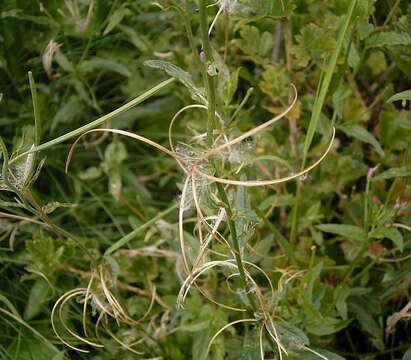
[[190, 179]]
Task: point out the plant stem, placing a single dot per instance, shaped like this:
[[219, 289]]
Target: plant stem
[[209, 80], [99, 121], [211, 124], [364, 246], [236, 245]]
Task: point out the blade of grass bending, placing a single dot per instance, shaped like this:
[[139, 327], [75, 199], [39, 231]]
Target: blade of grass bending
[[36, 109], [100, 120], [319, 101], [130, 236]]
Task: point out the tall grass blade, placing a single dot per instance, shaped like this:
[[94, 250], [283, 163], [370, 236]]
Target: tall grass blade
[[325, 84]]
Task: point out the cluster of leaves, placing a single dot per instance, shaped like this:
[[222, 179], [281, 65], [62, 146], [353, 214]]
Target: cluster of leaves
[[348, 258]]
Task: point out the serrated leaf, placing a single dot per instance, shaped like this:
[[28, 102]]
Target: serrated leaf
[[104, 64], [181, 75], [348, 231], [358, 132], [389, 233], [401, 96]]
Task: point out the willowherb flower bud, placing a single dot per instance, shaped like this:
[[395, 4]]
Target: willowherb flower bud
[[202, 56]]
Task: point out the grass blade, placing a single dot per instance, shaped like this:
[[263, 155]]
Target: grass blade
[[319, 101], [100, 120]]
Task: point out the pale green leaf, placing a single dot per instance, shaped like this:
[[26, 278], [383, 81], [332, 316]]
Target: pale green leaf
[[401, 96], [39, 294], [401, 171], [389, 233], [347, 231], [116, 19], [104, 64], [407, 355], [326, 326], [181, 75], [358, 132], [389, 38]]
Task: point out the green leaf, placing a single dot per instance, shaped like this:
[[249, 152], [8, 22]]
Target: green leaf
[[325, 83], [103, 64], [39, 294], [389, 233], [116, 19], [326, 326], [244, 217], [348, 231], [137, 39], [68, 112], [407, 355], [249, 9], [358, 132], [367, 321], [341, 294], [292, 335], [181, 75], [396, 172], [388, 39], [301, 354], [250, 350], [401, 96]]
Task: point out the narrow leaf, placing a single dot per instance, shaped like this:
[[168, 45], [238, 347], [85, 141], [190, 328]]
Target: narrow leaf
[[348, 231], [358, 132], [401, 96], [181, 75], [389, 233]]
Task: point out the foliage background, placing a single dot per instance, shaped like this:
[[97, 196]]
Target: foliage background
[[115, 185]]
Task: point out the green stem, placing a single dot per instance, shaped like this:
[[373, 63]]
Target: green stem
[[36, 109], [211, 125], [209, 80], [294, 214], [130, 236], [316, 113], [236, 245], [282, 241], [391, 13], [99, 121], [364, 246]]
